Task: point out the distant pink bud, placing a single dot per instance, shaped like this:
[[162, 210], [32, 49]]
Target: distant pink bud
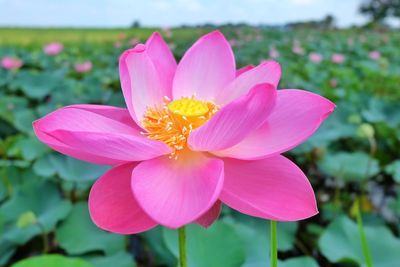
[[233, 42], [298, 50], [315, 57], [172, 46], [273, 53], [338, 58], [333, 83], [117, 44], [386, 39], [83, 67], [133, 41], [375, 55], [11, 63], [53, 49], [350, 41], [167, 32], [121, 36]]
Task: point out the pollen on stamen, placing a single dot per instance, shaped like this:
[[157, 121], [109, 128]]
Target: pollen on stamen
[[172, 122]]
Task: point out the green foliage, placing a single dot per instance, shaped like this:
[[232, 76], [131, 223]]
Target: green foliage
[[217, 246], [120, 259], [78, 235], [341, 242], [394, 170], [27, 203], [51, 261], [299, 261], [349, 166]]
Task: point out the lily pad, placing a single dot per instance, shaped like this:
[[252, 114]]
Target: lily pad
[[78, 235], [39, 198], [52, 261], [155, 241], [216, 246], [71, 169], [28, 147], [23, 120], [120, 259], [36, 85], [255, 234], [356, 166], [394, 170], [341, 242], [299, 261]]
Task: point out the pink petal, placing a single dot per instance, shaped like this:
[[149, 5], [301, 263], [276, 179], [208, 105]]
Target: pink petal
[[98, 134], [141, 81], [296, 116], [177, 192], [244, 69], [208, 218], [206, 67], [112, 205], [273, 188], [235, 121], [267, 72], [163, 59]]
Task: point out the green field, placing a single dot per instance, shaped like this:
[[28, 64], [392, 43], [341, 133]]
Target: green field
[[41, 36], [353, 158]]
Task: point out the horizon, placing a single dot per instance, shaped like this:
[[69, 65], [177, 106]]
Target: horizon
[[173, 13]]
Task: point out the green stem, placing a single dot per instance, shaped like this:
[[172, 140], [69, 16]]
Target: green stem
[[274, 245], [363, 238], [182, 247]]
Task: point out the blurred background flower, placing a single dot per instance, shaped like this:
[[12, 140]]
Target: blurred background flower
[[11, 63]]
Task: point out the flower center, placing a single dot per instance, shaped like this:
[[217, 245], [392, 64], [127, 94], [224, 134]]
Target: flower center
[[188, 107], [172, 122]]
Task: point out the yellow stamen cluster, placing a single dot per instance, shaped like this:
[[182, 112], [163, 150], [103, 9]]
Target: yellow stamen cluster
[[172, 122]]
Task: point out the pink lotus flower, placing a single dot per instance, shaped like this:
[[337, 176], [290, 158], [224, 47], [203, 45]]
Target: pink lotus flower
[[333, 83], [338, 58], [118, 44], [11, 63], [233, 42], [193, 136], [121, 36], [374, 55], [273, 53], [298, 50], [83, 67], [53, 49], [315, 57], [167, 31], [134, 41]]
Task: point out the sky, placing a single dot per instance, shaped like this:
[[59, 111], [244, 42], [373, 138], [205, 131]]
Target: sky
[[169, 13]]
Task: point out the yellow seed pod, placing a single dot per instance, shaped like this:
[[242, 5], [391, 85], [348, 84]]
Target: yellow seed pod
[[188, 107]]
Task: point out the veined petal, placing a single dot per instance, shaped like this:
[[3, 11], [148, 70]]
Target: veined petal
[[267, 72], [98, 134], [206, 67], [208, 218], [177, 192], [235, 121], [273, 188], [296, 116], [244, 69], [141, 82], [163, 59], [112, 205]]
